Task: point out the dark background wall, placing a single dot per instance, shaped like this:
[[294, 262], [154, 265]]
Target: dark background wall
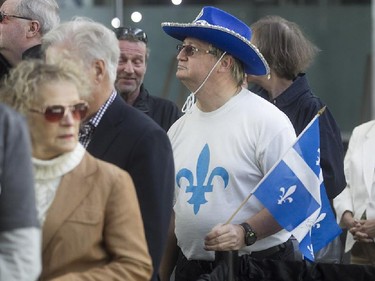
[[341, 74]]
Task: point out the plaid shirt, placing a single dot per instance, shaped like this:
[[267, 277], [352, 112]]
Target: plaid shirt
[[87, 129]]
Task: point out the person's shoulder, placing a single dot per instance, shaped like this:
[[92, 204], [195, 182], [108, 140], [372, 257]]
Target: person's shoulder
[[260, 107], [100, 168], [5, 110], [133, 118], [364, 127], [10, 116], [161, 104], [162, 101], [309, 100]]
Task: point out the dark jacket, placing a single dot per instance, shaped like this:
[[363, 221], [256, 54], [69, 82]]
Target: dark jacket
[[4, 67], [301, 105], [33, 52], [162, 111], [129, 139]]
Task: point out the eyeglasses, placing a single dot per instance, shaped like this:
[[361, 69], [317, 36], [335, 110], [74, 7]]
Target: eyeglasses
[[55, 113], [129, 32], [4, 16], [191, 50]]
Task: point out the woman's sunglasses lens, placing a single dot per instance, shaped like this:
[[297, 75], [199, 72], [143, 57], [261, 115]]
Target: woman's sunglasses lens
[[54, 113], [79, 111]]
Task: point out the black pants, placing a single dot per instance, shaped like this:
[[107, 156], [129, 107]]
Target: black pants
[[190, 270]]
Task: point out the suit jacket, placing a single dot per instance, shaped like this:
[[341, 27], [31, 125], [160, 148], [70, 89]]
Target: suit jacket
[[131, 140], [359, 171], [93, 229]]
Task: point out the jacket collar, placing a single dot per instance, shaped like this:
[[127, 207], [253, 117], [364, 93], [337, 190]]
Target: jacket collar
[[299, 87], [34, 52], [141, 102], [73, 188]]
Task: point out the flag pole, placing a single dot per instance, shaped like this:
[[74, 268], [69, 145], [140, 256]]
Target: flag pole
[[238, 209], [321, 111]]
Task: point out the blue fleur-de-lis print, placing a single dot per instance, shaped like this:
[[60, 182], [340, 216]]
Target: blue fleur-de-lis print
[[198, 191]]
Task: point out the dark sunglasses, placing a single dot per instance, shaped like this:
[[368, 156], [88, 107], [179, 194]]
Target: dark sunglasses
[[129, 32], [191, 50], [4, 16], [55, 113]]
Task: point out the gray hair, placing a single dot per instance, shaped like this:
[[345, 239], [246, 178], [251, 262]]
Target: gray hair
[[87, 40], [46, 12]]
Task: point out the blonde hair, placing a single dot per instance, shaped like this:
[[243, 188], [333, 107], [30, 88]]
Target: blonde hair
[[237, 68], [22, 87]]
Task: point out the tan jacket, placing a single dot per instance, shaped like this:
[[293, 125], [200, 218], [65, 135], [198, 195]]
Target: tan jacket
[[93, 229], [359, 172]]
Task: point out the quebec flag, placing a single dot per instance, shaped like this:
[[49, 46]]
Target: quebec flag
[[293, 190], [323, 231]]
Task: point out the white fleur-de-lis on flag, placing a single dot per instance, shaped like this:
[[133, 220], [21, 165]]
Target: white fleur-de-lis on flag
[[319, 219], [286, 194], [318, 158], [311, 250]]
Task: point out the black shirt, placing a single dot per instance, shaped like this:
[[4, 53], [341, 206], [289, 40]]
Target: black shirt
[[162, 111]]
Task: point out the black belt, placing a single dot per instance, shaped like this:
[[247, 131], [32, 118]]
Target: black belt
[[268, 252]]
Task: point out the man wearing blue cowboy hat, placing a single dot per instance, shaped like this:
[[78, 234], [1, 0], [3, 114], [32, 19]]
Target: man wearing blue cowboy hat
[[223, 146]]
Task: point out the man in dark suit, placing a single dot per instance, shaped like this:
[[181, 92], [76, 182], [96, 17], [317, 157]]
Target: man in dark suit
[[118, 133]]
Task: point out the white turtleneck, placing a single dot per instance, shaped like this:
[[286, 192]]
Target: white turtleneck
[[48, 175]]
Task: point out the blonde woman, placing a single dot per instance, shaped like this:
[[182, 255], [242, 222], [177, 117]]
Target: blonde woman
[[92, 227]]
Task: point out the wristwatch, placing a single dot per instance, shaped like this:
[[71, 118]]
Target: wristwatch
[[250, 236]]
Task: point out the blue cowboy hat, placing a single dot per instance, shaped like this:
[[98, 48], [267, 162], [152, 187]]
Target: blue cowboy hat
[[225, 32]]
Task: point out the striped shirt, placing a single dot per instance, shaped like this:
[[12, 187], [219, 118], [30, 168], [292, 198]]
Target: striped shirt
[[87, 129]]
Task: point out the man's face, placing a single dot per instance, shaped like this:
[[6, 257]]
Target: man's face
[[194, 63], [131, 68], [12, 30]]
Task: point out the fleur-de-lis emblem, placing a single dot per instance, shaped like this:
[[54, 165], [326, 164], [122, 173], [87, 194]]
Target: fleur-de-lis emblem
[[286, 195], [311, 250], [319, 219], [318, 158], [198, 191]]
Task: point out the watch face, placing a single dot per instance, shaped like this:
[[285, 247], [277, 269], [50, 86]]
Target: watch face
[[250, 238]]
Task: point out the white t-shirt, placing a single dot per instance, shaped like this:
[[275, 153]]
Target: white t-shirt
[[370, 210], [220, 157]]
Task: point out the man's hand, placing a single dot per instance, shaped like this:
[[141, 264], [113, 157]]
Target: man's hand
[[225, 237]]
